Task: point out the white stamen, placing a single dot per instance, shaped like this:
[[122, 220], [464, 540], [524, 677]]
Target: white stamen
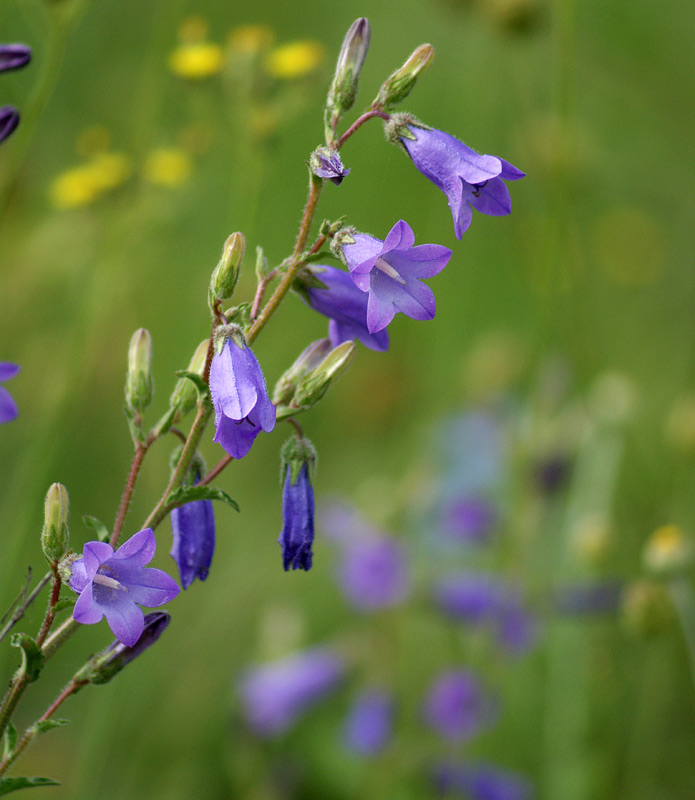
[[111, 583], [387, 269]]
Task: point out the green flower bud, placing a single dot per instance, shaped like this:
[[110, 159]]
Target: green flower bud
[[226, 273], [55, 536], [399, 85], [139, 384], [343, 88], [184, 398], [295, 453], [309, 359], [313, 386]]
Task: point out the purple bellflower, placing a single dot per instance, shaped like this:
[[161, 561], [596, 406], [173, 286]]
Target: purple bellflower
[[326, 163], [193, 526], [469, 520], [9, 119], [8, 407], [469, 180], [456, 706], [346, 307], [480, 782], [114, 585], [14, 56], [374, 573], [369, 724], [390, 272], [297, 534], [275, 695], [240, 398]]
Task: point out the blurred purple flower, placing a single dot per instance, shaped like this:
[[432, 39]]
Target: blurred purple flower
[[297, 534], [469, 180], [600, 597], [369, 724], [8, 407], [346, 307], [14, 56], [374, 573], [193, 526], [275, 695], [240, 398], [456, 706], [480, 782], [469, 519], [390, 272], [111, 584]]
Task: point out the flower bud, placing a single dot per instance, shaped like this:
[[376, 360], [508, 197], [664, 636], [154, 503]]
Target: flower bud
[[313, 386], [107, 664], [139, 385], [326, 163], [226, 273], [399, 85], [55, 536], [309, 359], [184, 397], [298, 458], [343, 89]]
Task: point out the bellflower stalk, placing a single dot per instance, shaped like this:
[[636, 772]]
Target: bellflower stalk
[[8, 407], [390, 271]]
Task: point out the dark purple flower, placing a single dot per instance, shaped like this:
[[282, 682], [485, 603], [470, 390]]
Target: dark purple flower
[[9, 119], [114, 584], [481, 782], [193, 526], [8, 407], [456, 706], [326, 163], [369, 724], [374, 573], [346, 307], [297, 534], [469, 519], [275, 695], [390, 272], [14, 56], [240, 398], [469, 180]]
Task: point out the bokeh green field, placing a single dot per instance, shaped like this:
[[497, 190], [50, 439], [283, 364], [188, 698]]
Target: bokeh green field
[[589, 279]]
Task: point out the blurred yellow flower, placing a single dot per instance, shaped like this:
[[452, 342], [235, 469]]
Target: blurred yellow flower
[[196, 60], [668, 548], [167, 166], [109, 170], [294, 60], [251, 38], [80, 186]]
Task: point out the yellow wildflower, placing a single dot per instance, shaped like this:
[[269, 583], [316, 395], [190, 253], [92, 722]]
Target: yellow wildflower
[[668, 548], [251, 38], [196, 60], [167, 166], [294, 60], [81, 186]]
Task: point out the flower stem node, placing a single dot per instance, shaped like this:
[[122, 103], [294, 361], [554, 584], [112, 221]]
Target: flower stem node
[[399, 85], [314, 385], [55, 536], [226, 273], [325, 163], [309, 359], [139, 385], [343, 88]]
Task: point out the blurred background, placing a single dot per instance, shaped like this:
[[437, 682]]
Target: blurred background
[[527, 456]]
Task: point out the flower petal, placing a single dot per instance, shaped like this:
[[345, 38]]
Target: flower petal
[[234, 390], [86, 610], [147, 586], [139, 549], [126, 621], [400, 237], [8, 370], [494, 199], [94, 555], [8, 407]]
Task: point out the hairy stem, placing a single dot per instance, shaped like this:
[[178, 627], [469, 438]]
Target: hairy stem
[[359, 122]]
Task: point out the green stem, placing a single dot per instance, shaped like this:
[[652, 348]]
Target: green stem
[[684, 603], [13, 696], [19, 613]]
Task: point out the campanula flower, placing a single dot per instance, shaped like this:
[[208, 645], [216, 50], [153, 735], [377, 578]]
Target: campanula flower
[[374, 573], [14, 56], [469, 180], [326, 163], [297, 534], [346, 307], [457, 707], [239, 395], [275, 695], [369, 724], [9, 119], [193, 526], [469, 519], [480, 782], [390, 272], [114, 585], [8, 407]]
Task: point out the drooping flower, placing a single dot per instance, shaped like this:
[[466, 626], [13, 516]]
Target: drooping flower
[[369, 724], [114, 585], [193, 526], [8, 407], [456, 706], [390, 272], [480, 782], [239, 395], [297, 536], [346, 307], [275, 695], [14, 56], [9, 119], [469, 180], [374, 573], [326, 163]]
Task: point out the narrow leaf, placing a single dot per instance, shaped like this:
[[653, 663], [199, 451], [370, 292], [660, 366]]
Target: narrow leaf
[[45, 725], [32, 657], [10, 740], [189, 494], [200, 385], [8, 785], [97, 526]]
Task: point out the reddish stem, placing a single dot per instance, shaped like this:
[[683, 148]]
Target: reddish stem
[[359, 122], [215, 471]]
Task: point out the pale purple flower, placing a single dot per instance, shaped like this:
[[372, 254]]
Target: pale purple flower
[[456, 706], [240, 398], [390, 272], [275, 695], [469, 519], [14, 56], [9, 119], [8, 407], [346, 307], [297, 534], [326, 163], [469, 180], [114, 585], [193, 526], [374, 573], [369, 724], [481, 782]]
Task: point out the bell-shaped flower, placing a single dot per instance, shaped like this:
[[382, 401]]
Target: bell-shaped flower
[[193, 526], [115, 584], [14, 56], [457, 706], [390, 272], [9, 119], [469, 180], [297, 536], [242, 406], [8, 407], [346, 307], [369, 723]]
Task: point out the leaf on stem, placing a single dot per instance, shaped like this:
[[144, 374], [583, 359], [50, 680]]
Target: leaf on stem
[[97, 526], [189, 494], [9, 741], [8, 785]]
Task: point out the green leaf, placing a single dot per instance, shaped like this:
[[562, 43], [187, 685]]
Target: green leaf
[[45, 725], [201, 387], [97, 526], [32, 657], [189, 494], [9, 741], [8, 785], [64, 602]]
